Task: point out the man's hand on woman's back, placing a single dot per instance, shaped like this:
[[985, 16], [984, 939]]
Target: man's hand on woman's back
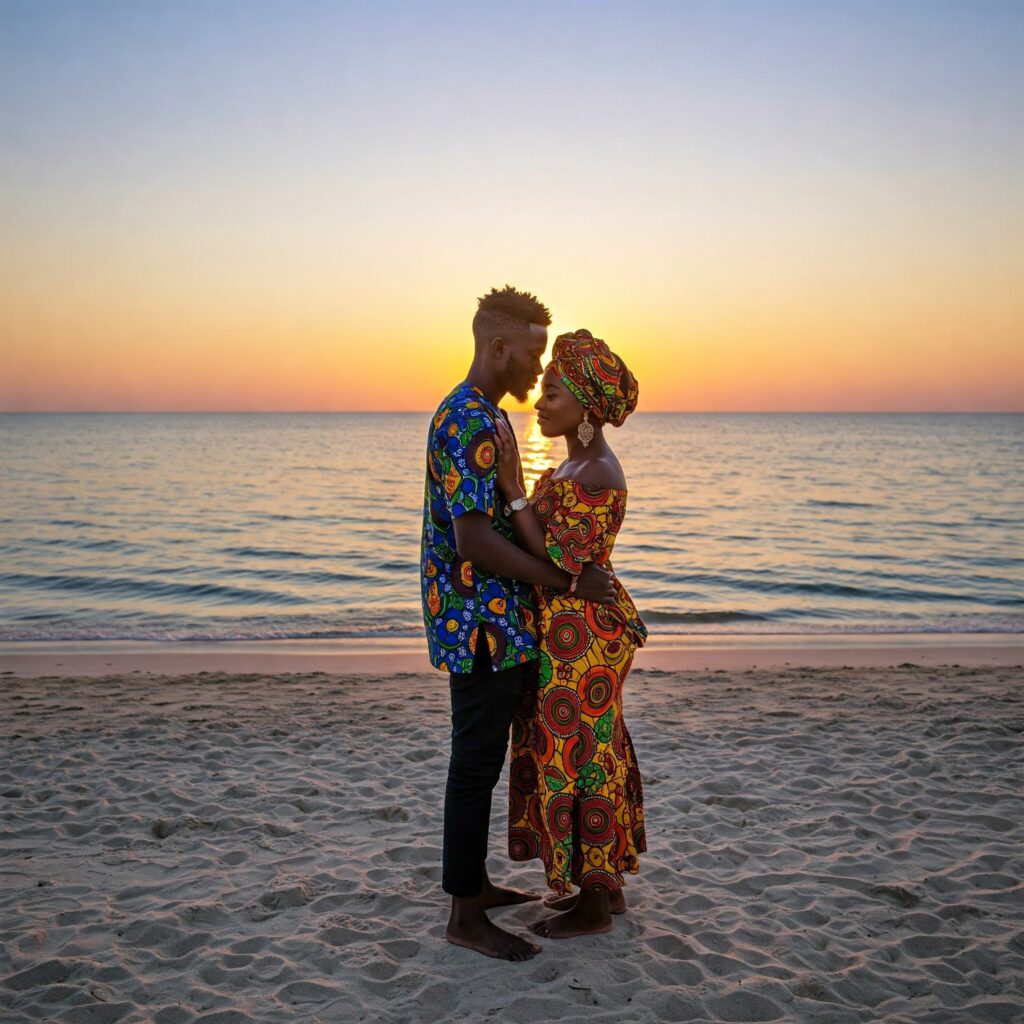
[[595, 584]]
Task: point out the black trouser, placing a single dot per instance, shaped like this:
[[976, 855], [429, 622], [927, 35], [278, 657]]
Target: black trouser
[[483, 703]]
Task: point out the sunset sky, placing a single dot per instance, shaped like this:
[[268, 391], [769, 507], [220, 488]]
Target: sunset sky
[[290, 206]]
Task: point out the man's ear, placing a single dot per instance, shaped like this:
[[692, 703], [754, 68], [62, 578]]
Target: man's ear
[[498, 346]]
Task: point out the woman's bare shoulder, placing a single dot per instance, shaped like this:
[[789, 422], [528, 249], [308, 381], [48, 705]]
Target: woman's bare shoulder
[[600, 474]]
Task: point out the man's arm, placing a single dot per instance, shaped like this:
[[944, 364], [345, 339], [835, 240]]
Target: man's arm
[[479, 544]]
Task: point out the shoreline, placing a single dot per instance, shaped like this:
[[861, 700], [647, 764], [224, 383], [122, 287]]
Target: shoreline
[[680, 652]]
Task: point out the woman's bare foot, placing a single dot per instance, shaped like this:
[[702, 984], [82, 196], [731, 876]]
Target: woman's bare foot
[[616, 903], [590, 915], [470, 927]]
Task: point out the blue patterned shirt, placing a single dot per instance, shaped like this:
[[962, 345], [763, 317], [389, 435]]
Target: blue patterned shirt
[[461, 602]]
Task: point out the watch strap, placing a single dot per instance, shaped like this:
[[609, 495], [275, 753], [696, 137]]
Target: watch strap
[[516, 505]]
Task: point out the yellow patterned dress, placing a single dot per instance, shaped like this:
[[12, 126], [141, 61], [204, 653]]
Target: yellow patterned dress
[[575, 793]]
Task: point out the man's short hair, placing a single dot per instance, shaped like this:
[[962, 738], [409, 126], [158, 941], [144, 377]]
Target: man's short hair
[[507, 311]]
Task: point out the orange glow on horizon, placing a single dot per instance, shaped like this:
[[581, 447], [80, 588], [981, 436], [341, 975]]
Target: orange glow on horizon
[[875, 344], [706, 373]]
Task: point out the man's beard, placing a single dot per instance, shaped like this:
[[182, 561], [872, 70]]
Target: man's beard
[[520, 382]]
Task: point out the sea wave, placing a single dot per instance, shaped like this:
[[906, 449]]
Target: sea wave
[[302, 527], [662, 625]]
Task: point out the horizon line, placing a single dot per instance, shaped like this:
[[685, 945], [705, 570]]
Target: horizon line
[[528, 412]]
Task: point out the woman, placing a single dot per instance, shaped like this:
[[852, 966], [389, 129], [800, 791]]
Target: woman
[[576, 799]]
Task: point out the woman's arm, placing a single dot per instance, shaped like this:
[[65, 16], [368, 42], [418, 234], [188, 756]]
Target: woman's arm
[[529, 531]]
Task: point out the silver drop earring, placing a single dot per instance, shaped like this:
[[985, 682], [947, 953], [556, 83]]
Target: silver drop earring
[[585, 431]]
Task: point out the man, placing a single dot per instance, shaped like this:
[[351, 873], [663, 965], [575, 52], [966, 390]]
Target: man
[[476, 603]]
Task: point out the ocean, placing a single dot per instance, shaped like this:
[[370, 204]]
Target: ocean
[[239, 526]]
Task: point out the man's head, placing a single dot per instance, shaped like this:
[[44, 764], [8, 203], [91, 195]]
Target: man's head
[[511, 332]]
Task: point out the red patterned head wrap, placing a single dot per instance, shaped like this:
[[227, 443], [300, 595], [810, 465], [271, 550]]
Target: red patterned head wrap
[[598, 378]]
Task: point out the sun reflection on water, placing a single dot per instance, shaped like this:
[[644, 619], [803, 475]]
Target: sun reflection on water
[[536, 451]]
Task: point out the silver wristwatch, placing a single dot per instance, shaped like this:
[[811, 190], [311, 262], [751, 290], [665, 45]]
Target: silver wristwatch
[[515, 505]]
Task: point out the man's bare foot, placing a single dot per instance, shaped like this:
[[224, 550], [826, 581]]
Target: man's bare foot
[[499, 896], [616, 904], [589, 915], [487, 938], [470, 927]]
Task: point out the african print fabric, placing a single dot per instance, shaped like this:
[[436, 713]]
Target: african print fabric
[[462, 602], [575, 792], [597, 377]]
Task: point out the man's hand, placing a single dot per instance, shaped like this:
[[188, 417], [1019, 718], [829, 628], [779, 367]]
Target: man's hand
[[510, 471], [595, 584]]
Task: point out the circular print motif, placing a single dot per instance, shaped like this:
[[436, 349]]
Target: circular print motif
[[568, 637], [603, 621], [523, 774], [544, 506], [522, 844], [579, 751], [448, 631], [495, 641], [560, 711], [598, 689], [598, 879], [597, 820], [640, 837], [593, 496], [560, 816], [480, 453], [462, 579]]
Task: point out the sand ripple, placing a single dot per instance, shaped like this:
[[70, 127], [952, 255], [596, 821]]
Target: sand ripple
[[825, 845]]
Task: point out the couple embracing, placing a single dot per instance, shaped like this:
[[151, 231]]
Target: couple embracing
[[523, 610]]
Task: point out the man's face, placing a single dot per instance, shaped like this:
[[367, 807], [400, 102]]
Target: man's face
[[524, 361]]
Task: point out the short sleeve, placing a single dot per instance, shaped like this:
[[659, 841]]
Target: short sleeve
[[464, 444], [575, 535]]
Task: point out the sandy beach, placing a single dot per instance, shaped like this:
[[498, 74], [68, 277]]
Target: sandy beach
[[827, 844]]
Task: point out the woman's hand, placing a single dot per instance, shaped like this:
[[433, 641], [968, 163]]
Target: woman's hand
[[510, 472]]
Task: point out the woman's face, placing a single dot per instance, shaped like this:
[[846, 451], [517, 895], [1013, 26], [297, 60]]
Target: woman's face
[[558, 410]]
